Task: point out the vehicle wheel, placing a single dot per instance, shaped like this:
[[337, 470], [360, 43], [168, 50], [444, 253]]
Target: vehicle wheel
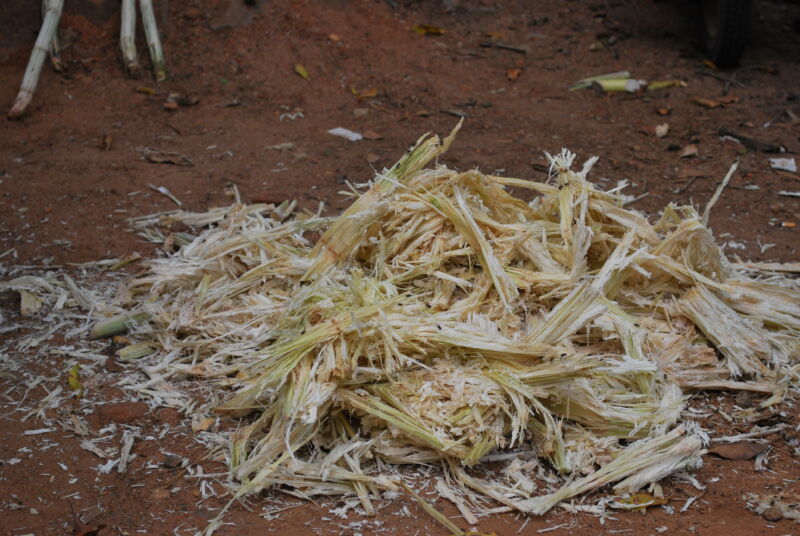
[[725, 29]]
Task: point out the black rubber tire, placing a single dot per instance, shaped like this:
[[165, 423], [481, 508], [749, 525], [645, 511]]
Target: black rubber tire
[[726, 24]]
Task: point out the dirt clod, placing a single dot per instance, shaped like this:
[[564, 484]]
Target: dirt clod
[[122, 412], [773, 514]]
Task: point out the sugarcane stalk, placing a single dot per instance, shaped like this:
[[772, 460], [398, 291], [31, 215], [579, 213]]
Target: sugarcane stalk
[[127, 36], [116, 325], [40, 50], [153, 40], [55, 45]]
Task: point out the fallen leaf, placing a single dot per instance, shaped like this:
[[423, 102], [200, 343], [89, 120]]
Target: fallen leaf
[[619, 84], [365, 94], [717, 102], [689, 151], [429, 29], [170, 105], [710, 64], [639, 501], [728, 99], [162, 157], [494, 35], [372, 158], [741, 450], [663, 111], [74, 381], [146, 90], [423, 113], [662, 130], [371, 135], [707, 103], [665, 84], [334, 37], [201, 424], [300, 70], [586, 83], [513, 74]]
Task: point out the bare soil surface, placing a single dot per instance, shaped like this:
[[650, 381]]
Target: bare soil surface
[[76, 168]]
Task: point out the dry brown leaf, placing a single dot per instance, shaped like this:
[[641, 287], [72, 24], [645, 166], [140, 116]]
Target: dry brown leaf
[[728, 99], [741, 450], [513, 74], [706, 103], [201, 424], [364, 94], [716, 102], [640, 501], [689, 151], [429, 29]]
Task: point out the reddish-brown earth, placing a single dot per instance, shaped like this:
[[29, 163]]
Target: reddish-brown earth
[[65, 198]]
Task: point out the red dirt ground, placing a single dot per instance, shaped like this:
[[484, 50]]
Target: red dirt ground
[[65, 198]]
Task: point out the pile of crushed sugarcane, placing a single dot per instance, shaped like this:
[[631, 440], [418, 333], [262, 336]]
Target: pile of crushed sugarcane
[[441, 320]]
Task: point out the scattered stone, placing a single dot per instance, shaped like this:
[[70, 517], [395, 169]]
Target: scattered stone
[[773, 514], [171, 461]]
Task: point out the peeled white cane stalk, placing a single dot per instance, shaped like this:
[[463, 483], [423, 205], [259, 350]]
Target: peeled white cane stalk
[[55, 45], [153, 41], [127, 36], [40, 49]]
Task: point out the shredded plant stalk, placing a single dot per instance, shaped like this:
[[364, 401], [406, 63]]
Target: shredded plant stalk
[[441, 320]]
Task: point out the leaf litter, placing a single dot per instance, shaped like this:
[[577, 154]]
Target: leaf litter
[[442, 321]]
